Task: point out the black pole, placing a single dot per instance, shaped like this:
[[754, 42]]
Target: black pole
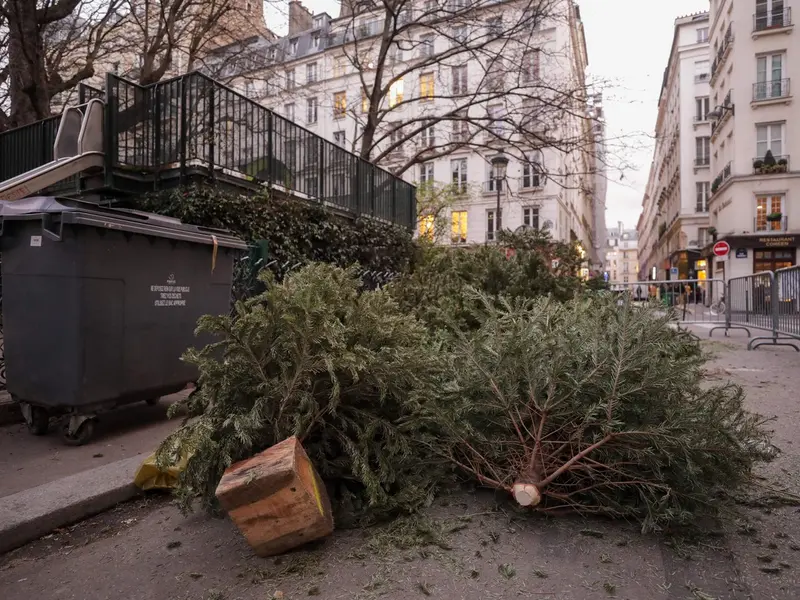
[[497, 213]]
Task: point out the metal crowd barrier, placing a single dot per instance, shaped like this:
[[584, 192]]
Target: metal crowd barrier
[[768, 302], [690, 301]]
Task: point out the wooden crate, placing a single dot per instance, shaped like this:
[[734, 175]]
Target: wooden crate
[[276, 499]]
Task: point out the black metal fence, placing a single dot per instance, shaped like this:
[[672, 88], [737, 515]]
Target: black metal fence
[[192, 123]]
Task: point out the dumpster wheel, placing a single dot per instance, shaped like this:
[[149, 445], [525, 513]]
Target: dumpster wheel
[[77, 434]]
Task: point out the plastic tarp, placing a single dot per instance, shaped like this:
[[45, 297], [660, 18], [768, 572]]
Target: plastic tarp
[[150, 477]]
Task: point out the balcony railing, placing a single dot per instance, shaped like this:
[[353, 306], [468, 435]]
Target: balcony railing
[[702, 161], [700, 118], [770, 90], [781, 165], [775, 19], [702, 77], [778, 225], [722, 53]]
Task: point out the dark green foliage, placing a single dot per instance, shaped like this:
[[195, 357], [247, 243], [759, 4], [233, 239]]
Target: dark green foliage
[[346, 372], [439, 290], [540, 382], [295, 231]]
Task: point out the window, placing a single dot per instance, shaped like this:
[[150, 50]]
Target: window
[[340, 138], [459, 35], [288, 110], [431, 6], [458, 168], [703, 191], [339, 66], [293, 47], [531, 65], [701, 109], [702, 35], [491, 225], [493, 183], [701, 70], [396, 93], [494, 26], [532, 172], [426, 172], [702, 236], [426, 86], [769, 78], [395, 55], [426, 227], [458, 232], [460, 132], [772, 260], [495, 75], [530, 217], [769, 14], [364, 102], [311, 110], [496, 125], [426, 45], [315, 41], [459, 79], [702, 151], [428, 135], [769, 137], [339, 105], [767, 210], [396, 135], [311, 72], [290, 82]]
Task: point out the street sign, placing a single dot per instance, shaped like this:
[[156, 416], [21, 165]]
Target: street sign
[[741, 253], [673, 271], [721, 248]]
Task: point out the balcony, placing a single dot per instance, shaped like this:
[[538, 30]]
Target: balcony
[[775, 223], [721, 178], [771, 164], [768, 21], [702, 161], [722, 53], [700, 77], [771, 90]]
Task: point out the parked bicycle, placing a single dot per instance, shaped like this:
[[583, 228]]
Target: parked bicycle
[[718, 308]]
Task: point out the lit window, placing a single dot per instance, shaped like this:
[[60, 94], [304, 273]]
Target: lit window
[[426, 227], [364, 102], [339, 66], [396, 93], [426, 86], [459, 229], [769, 213], [339, 104]]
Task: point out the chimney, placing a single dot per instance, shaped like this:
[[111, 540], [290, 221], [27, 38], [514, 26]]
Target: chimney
[[299, 18], [621, 227]]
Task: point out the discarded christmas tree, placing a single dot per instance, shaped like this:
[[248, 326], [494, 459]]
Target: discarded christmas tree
[[595, 407], [345, 372]]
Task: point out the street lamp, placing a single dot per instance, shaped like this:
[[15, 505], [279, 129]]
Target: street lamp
[[499, 165], [718, 112]]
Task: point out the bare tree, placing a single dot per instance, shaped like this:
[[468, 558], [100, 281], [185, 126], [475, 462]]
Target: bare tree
[[524, 96]]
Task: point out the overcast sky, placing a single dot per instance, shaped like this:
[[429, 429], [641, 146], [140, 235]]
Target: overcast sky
[[628, 43]]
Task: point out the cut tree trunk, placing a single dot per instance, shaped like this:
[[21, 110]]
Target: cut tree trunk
[[276, 499]]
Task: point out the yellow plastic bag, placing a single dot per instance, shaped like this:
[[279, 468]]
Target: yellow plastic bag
[[150, 477]]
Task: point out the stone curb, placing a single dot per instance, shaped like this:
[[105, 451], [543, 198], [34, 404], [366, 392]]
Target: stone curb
[[30, 514]]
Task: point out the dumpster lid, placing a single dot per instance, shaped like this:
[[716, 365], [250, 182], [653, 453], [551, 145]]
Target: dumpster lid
[[121, 219]]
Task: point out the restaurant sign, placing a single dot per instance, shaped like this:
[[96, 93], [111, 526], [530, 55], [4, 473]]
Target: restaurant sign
[[764, 241]]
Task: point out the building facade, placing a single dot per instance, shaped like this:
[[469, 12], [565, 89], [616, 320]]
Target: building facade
[[673, 228], [621, 255], [319, 76], [755, 139]]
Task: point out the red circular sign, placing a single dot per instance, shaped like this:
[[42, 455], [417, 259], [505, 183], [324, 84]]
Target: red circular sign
[[722, 248]]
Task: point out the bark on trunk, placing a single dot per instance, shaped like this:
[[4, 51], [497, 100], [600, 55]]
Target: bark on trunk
[[30, 98]]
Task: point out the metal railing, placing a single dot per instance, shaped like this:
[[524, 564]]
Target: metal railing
[[771, 90], [689, 301], [774, 19], [192, 123], [766, 224], [768, 301]]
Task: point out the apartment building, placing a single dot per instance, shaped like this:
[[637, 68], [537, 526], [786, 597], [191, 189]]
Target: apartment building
[[621, 255], [319, 76], [673, 227], [600, 181], [755, 140]]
